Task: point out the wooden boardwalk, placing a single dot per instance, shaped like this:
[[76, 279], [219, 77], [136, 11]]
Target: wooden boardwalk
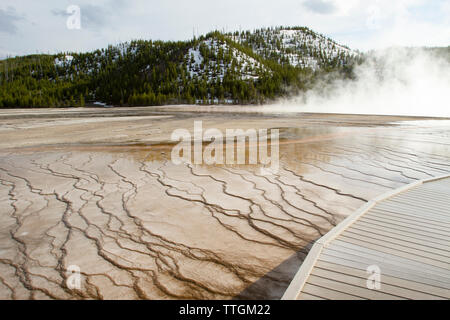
[[405, 235]]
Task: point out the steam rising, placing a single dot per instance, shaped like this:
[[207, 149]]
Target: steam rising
[[397, 81]]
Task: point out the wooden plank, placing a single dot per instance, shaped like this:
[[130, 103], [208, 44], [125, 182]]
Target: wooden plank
[[413, 226], [427, 192], [405, 273], [307, 296], [426, 291], [366, 240], [432, 217], [408, 227], [438, 188], [395, 236], [422, 196], [419, 194], [440, 234], [328, 294], [426, 205], [414, 222], [404, 229], [436, 185], [404, 254], [431, 193], [429, 277], [393, 231], [415, 216], [361, 281], [404, 243], [432, 220], [423, 204], [351, 289], [411, 208], [398, 261], [392, 268], [404, 207]]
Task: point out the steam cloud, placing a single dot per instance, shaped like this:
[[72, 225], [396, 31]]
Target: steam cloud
[[396, 81]]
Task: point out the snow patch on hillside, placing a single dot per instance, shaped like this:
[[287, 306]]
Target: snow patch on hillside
[[298, 47], [65, 61], [214, 59]]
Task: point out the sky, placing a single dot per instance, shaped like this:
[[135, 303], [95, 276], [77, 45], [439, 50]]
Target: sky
[[46, 26]]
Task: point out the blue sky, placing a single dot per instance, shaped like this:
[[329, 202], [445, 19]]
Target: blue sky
[[28, 26]]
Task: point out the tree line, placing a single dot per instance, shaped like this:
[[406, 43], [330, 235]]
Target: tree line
[[150, 73]]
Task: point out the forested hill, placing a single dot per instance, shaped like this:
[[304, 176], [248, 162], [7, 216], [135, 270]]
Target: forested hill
[[241, 67]]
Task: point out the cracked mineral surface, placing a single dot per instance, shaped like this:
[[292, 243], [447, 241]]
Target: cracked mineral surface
[[96, 188]]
